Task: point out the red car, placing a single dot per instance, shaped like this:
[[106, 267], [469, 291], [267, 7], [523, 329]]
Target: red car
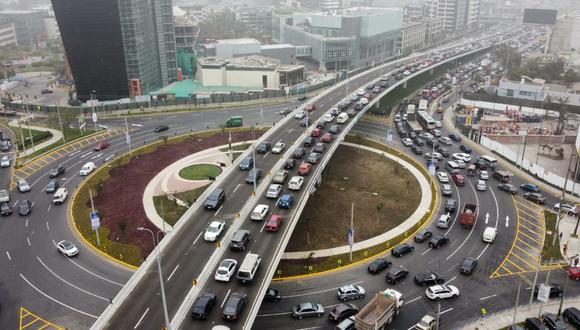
[[459, 179], [304, 168], [102, 146], [316, 132], [274, 223], [311, 107], [327, 137], [574, 273]]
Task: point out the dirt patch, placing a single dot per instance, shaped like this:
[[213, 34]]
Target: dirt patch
[[354, 173]]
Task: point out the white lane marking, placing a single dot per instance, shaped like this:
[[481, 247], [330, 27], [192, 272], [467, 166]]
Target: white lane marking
[[69, 283], [218, 211], [275, 314], [49, 205], [26, 224], [429, 249], [74, 153], [266, 154], [47, 226], [315, 292], [482, 251], [311, 328], [226, 298], [85, 155], [445, 311], [137, 125], [472, 227], [173, 272], [110, 157], [56, 301], [198, 236], [103, 126], [14, 205], [28, 240], [454, 277], [487, 297], [236, 188], [8, 255], [507, 221], [263, 226], [97, 156], [414, 299], [141, 318]]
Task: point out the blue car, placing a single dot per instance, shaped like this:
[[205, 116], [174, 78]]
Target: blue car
[[285, 202], [529, 187], [455, 137], [247, 164], [465, 149]]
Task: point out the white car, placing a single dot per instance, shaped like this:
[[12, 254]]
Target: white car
[[438, 124], [484, 175], [567, 208], [296, 183], [5, 162], [443, 177], [278, 148], [489, 234], [436, 132], [274, 191], [407, 142], [360, 92], [87, 169], [481, 186], [226, 269], [460, 163], [213, 231], [67, 248], [445, 140], [328, 118], [426, 136], [397, 118], [461, 156], [259, 212], [434, 155], [441, 292], [300, 114], [23, 186]]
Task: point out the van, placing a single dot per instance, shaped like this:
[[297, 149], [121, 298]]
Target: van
[[471, 170], [249, 267], [489, 234], [443, 221], [59, 196], [342, 118], [501, 176], [215, 199], [453, 167]]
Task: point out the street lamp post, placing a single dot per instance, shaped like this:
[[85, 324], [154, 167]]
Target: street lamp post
[[158, 257], [351, 238]]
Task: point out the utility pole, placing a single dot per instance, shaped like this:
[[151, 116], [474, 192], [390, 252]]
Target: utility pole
[[30, 134], [517, 302], [565, 288], [60, 123], [547, 279], [93, 111], [128, 137], [21, 136], [562, 202], [534, 285]]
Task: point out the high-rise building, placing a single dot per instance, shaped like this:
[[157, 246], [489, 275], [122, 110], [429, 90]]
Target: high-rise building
[[28, 25], [457, 15], [7, 33], [110, 43], [473, 13]]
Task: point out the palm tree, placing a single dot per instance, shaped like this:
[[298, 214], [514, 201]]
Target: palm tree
[[563, 101]]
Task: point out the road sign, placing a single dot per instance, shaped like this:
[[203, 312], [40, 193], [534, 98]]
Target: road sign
[[544, 293], [350, 237], [95, 220], [94, 117]]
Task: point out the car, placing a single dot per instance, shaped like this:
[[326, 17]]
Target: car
[[483, 175], [302, 98], [468, 265], [280, 177], [284, 111], [298, 153], [438, 241], [450, 205], [446, 190], [401, 250], [264, 147], [285, 202], [396, 274], [436, 133], [535, 197], [407, 142], [378, 265], [443, 151], [247, 163], [328, 118], [46, 91], [6, 145], [308, 141], [461, 164], [23, 186], [573, 272], [272, 295], [458, 179], [316, 132], [319, 148], [572, 316], [5, 209], [418, 142], [87, 169], [300, 114], [553, 322], [426, 136], [416, 150], [295, 183], [203, 306], [567, 208], [481, 185], [67, 248], [433, 155], [274, 222], [428, 278], [461, 156], [303, 310], [351, 292], [443, 221], [59, 170], [259, 212], [102, 146], [313, 158], [529, 187], [534, 323], [213, 231], [556, 290], [441, 292], [274, 191], [326, 138], [334, 129], [234, 305], [455, 137], [226, 270], [445, 141], [5, 162], [290, 163], [304, 168], [215, 199], [342, 311], [443, 177], [507, 187], [240, 240], [278, 147], [310, 107], [254, 176], [161, 128]]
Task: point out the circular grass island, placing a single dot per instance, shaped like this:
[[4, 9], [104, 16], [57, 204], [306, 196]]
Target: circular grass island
[[200, 172]]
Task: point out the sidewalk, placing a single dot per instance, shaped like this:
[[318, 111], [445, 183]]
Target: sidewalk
[[56, 136]]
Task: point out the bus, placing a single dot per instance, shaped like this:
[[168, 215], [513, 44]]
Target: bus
[[410, 112], [423, 104], [425, 120]]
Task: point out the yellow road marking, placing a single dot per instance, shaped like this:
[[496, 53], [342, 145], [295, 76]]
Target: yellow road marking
[[24, 313], [28, 324], [531, 247], [532, 215], [518, 267], [530, 237], [526, 252], [532, 223], [524, 261]]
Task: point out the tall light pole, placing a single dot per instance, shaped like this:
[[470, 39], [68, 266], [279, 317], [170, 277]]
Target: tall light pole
[[562, 202], [158, 257], [351, 230], [93, 114]]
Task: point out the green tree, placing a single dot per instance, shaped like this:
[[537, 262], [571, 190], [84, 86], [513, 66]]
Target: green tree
[[563, 116]]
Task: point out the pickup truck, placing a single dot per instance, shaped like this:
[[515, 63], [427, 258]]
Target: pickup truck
[[380, 311], [468, 216]]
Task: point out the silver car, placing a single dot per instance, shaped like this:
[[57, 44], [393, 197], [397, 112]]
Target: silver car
[[350, 292], [303, 310]]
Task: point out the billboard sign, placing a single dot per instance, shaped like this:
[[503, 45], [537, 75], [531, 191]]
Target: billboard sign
[[540, 16]]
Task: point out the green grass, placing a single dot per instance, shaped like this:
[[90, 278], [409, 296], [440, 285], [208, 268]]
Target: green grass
[[170, 211], [200, 172], [549, 251], [37, 137]]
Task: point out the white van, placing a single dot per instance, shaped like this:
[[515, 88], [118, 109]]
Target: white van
[[249, 267], [342, 118], [87, 169], [489, 234], [59, 196], [443, 221]]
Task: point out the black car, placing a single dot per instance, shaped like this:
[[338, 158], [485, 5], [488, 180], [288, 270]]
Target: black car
[[161, 128], [555, 290], [319, 148], [272, 295], [263, 147], [534, 323], [24, 208], [507, 187], [572, 316], [379, 265], [553, 322], [302, 98], [450, 205], [240, 239], [202, 306], [401, 250], [430, 143], [234, 306], [535, 197], [428, 278], [5, 209], [416, 150], [289, 164], [396, 274], [342, 311], [254, 176], [215, 199], [418, 142], [56, 172], [298, 153], [308, 142], [423, 235], [247, 163], [468, 265], [321, 124], [334, 129], [443, 151], [52, 186], [438, 241]]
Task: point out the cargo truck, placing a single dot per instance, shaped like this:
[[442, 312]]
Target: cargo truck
[[235, 121], [380, 311], [469, 215]]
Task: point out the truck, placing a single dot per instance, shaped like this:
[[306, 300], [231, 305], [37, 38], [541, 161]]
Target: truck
[[427, 322], [380, 311], [235, 121], [469, 215]]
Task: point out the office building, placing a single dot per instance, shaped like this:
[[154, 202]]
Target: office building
[[7, 34], [473, 13], [28, 25], [566, 35], [433, 29], [258, 19], [453, 13], [186, 31], [412, 37]]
